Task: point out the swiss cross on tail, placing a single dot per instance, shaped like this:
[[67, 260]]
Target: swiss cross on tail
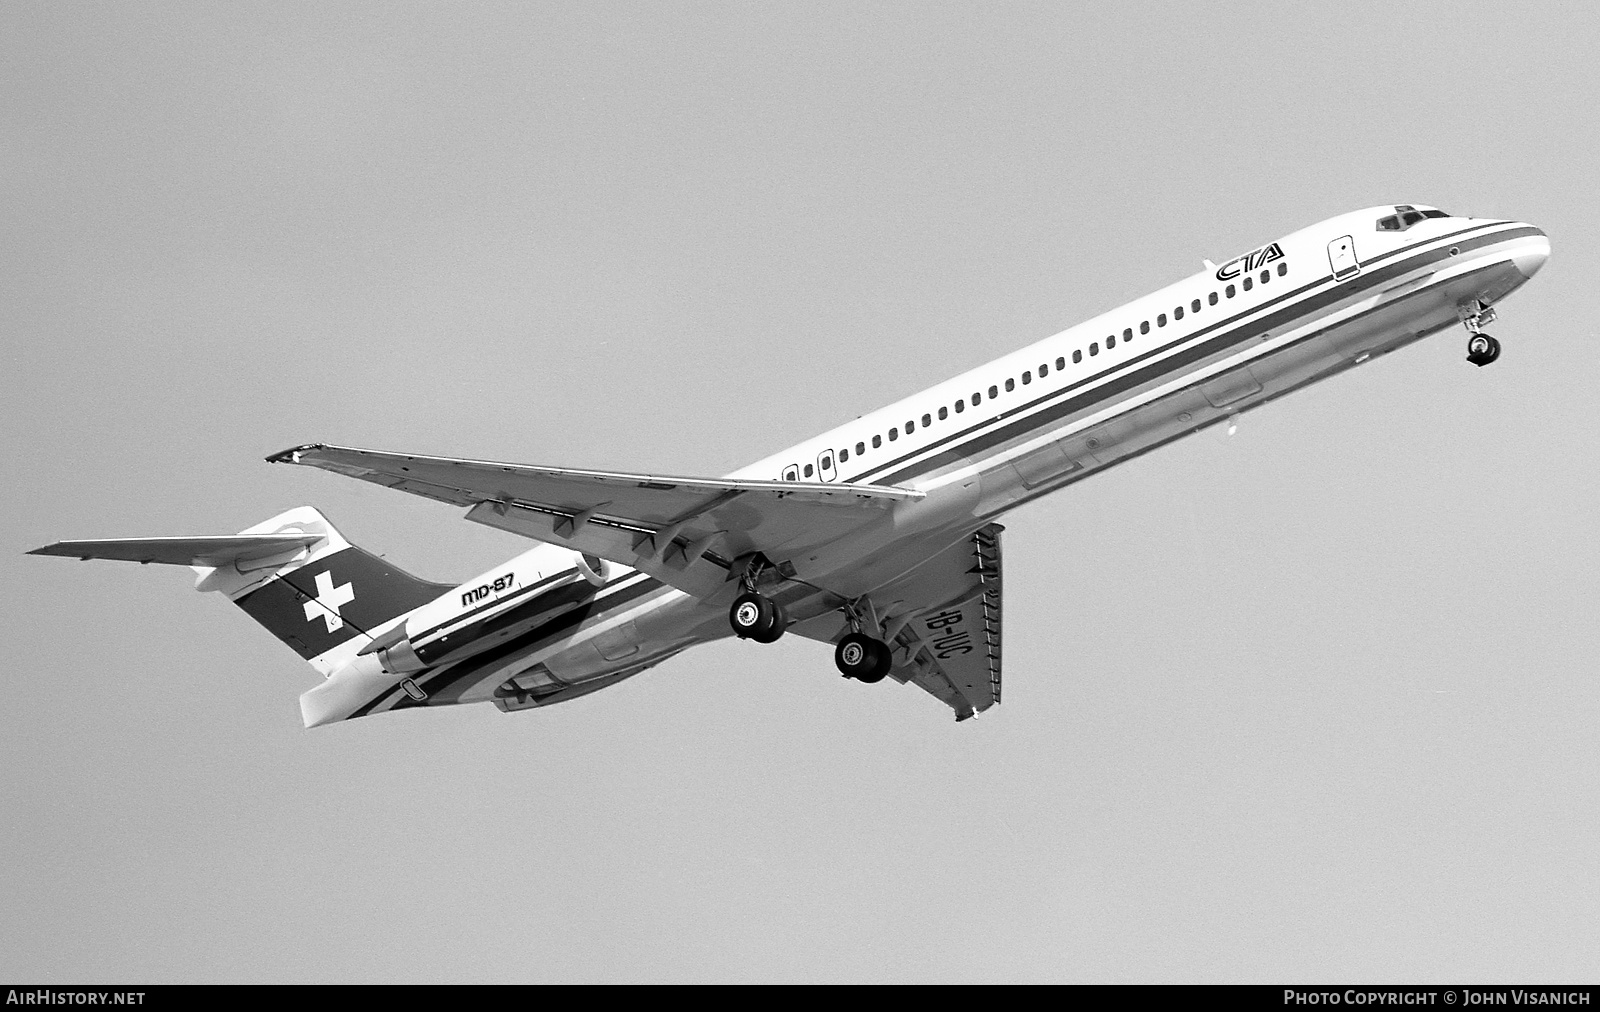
[[329, 600]]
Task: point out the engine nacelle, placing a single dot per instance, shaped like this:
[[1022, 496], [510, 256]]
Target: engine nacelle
[[395, 651], [482, 612]]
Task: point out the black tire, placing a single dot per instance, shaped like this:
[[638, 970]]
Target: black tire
[[882, 662], [775, 629], [853, 656], [753, 617], [1480, 346], [861, 657]]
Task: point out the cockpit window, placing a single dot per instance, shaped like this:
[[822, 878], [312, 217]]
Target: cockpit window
[[1405, 216]]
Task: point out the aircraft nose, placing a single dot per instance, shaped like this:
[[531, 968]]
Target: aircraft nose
[[1538, 251]]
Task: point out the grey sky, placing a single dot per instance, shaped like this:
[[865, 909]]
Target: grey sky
[[1314, 702]]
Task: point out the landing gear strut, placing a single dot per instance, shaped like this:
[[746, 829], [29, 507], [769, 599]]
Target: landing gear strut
[[1481, 348], [754, 616]]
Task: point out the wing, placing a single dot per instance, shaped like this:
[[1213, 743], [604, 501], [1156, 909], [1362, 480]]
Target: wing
[[217, 551], [683, 531], [943, 621]]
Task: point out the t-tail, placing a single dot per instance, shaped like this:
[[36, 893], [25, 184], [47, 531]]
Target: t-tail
[[295, 574]]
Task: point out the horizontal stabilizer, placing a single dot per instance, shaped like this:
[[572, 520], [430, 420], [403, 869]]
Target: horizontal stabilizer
[[212, 552]]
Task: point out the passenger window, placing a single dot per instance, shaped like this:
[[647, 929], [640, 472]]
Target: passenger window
[[861, 448], [1212, 298], [1248, 284], [1283, 269], [910, 428], [1027, 377], [1094, 347], [894, 434], [1077, 356], [1161, 319], [1194, 306], [1044, 370], [808, 470], [977, 398], [1061, 363], [1127, 335], [1011, 385], [1111, 342], [1177, 314], [944, 413], [877, 441], [994, 392], [1266, 276], [960, 406], [926, 421], [844, 455], [1230, 291]]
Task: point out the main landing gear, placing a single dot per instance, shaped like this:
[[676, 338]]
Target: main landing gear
[[863, 658], [1481, 348], [754, 616], [858, 655]]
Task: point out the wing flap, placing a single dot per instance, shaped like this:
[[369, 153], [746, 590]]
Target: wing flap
[[942, 620]]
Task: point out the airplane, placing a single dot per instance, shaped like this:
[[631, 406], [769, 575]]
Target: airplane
[[879, 537]]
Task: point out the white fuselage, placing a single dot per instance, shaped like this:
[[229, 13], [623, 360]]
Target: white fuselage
[[1222, 341]]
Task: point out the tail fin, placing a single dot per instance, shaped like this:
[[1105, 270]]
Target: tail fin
[[295, 574], [334, 594]]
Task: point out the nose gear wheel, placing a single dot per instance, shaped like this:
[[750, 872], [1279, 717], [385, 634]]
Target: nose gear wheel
[[1482, 349]]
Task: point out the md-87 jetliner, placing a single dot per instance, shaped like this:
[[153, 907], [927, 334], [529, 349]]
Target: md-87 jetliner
[[878, 537]]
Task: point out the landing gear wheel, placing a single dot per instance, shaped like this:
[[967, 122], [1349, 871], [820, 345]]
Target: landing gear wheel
[[1482, 349], [863, 658], [758, 618]]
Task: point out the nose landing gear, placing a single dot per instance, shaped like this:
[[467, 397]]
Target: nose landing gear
[[1481, 348]]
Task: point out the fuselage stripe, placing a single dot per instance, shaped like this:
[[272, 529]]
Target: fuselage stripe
[[1208, 340], [613, 598]]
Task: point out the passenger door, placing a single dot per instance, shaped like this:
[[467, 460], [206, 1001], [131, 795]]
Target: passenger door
[[1342, 258]]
